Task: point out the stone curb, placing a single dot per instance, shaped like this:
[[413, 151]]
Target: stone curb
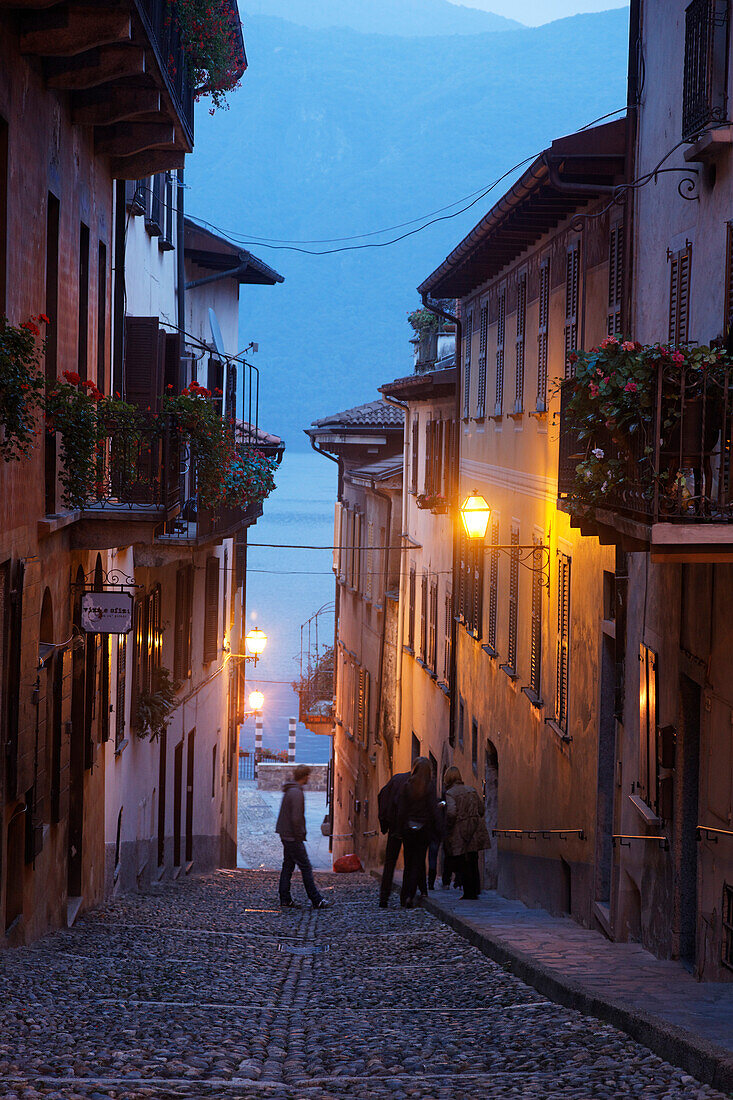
[[708, 1062]]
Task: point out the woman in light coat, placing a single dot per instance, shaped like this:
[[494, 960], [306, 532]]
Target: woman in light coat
[[466, 832]]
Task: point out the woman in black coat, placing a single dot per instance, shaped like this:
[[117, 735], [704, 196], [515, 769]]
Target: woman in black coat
[[418, 822]]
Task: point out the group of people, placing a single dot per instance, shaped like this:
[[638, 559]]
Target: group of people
[[418, 824]]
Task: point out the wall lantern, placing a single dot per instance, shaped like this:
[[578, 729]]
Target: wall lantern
[[255, 642], [475, 515], [256, 701]]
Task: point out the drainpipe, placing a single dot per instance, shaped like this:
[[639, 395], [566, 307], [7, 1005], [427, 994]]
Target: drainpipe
[[403, 546], [633, 96], [181, 297], [337, 607], [452, 685]]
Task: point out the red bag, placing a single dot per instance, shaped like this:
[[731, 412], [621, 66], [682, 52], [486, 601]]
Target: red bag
[[344, 865]]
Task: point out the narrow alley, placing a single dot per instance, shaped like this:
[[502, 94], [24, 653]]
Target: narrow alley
[[203, 987]]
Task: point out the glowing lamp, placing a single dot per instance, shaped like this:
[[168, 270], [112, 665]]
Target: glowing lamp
[[475, 514], [256, 641], [256, 700]]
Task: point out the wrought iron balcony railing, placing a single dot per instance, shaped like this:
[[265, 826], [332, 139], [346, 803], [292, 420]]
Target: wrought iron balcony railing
[[165, 37], [705, 86], [136, 469], [675, 468]]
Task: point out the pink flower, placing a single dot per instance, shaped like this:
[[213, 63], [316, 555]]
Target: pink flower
[[678, 357], [630, 387], [628, 345], [609, 342]]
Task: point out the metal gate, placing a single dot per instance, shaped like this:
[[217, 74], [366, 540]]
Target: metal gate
[[246, 765]]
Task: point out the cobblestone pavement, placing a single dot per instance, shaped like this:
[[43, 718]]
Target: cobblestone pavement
[[259, 845], [203, 988]]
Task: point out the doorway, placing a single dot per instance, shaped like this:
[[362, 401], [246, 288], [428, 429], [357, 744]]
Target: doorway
[[491, 803], [177, 799], [190, 772], [161, 797], [76, 753], [606, 773], [689, 750]]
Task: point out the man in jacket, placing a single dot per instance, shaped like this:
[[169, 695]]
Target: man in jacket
[[291, 829], [387, 805]]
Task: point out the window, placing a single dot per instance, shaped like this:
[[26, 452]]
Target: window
[[471, 581], [474, 746], [467, 367], [153, 205], [101, 315], [500, 334], [679, 294], [424, 617], [648, 725], [52, 330], [521, 331], [415, 451], [434, 469], [121, 683], [154, 639], [138, 656], [362, 707], [411, 613], [727, 911], [4, 215], [542, 336], [211, 611], [572, 298], [615, 324], [563, 641], [728, 315], [433, 628], [704, 91], [483, 336], [535, 656], [461, 721], [167, 238], [183, 620], [83, 325], [414, 748], [225, 595], [493, 585], [448, 636], [368, 586], [511, 660]]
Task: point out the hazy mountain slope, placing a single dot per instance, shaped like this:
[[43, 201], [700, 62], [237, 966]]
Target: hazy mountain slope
[[402, 17], [335, 133]]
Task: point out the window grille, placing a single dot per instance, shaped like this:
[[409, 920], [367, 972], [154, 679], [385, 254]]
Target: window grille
[[727, 911], [521, 331], [648, 725], [424, 618], [411, 618], [542, 336], [493, 584], [467, 367], [500, 333], [483, 337], [679, 295], [535, 658], [704, 91], [415, 450], [572, 296], [513, 600], [563, 641], [615, 280]]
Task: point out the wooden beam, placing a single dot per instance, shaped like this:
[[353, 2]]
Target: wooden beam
[[22, 5], [81, 29], [146, 164], [127, 139], [96, 67], [114, 103]]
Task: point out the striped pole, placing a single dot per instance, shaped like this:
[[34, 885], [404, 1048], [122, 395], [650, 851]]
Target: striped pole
[[258, 738], [292, 723]]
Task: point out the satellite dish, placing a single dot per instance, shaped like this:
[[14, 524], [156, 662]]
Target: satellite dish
[[216, 335]]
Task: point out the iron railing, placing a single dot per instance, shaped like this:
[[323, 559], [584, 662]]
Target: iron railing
[[705, 86], [136, 468], [676, 463], [165, 37]]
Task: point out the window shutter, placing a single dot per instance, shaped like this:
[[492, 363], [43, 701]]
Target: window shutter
[[415, 450], [121, 686], [211, 611], [493, 584], [521, 331], [500, 333], [433, 647], [483, 340], [535, 659], [615, 279], [467, 367], [728, 277], [462, 576], [513, 600], [572, 296], [424, 617], [368, 585], [411, 622], [427, 477], [142, 362], [138, 656], [648, 725], [478, 588], [542, 336], [679, 295], [563, 641], [448, 636]]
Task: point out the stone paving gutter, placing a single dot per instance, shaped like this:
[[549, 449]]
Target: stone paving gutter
[[688, 1023]]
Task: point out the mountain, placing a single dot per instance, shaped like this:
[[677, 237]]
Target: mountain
[[335, 133], [402, 17]]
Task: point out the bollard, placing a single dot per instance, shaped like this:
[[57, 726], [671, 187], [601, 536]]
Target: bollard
[[292, 723], [258, 741]]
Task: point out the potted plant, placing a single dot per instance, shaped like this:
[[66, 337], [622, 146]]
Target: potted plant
[[212, 46], [154, 707], [21, 385]]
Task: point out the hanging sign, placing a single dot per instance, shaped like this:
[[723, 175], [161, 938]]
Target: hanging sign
[[106, 612]]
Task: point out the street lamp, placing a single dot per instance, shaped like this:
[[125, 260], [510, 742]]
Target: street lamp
[[475, 515], [255, 642], [256, 701]]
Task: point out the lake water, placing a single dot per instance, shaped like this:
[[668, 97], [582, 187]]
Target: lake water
[[285, 587]]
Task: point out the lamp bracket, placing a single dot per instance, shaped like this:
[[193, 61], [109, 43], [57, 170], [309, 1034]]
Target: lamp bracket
[[535, 557]]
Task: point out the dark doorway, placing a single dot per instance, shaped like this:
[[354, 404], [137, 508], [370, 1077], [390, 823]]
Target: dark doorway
[[415, 749], [491, 801], [161, 798], [606, 771], [190, 772], [689, 755], [177, 793], [76, 752]]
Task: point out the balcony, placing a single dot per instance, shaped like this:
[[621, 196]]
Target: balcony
[[705, 92], [669, 483], [134, 488]]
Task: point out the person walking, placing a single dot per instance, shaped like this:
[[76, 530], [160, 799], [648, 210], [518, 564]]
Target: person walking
[[387, 807], [466, 832], [291, 829], [418, 823]]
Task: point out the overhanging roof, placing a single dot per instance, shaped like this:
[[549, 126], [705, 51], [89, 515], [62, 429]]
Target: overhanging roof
[[422, 387], [376, 415], [575, 170], [216, 254]]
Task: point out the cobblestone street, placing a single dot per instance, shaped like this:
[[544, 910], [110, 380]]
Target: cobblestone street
[[204, 988]]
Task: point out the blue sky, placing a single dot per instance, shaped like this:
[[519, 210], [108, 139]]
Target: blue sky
[[534, 12]]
